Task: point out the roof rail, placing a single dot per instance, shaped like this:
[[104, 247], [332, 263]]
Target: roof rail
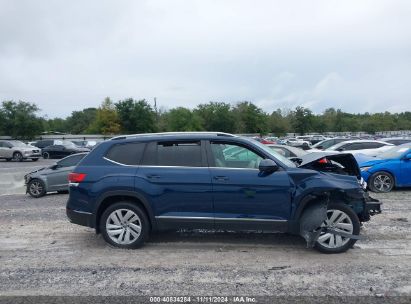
[[171, 134]]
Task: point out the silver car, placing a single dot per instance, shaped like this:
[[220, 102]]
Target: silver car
[[18, 151], [53, 178]]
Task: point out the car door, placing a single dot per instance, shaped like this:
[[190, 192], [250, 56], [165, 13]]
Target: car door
[[243, 198], [58, 179], [405, 171], [177, 180], [3, 150]]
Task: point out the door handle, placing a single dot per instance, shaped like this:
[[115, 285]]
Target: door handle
[[221, 178], [153, 176]]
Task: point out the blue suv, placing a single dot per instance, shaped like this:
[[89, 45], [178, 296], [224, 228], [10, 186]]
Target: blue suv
[[131, 185]]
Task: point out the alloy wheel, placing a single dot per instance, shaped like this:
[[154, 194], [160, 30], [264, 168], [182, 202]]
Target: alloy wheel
[[123, 226], [382, 182], [339, 221], [17, 156], [36, 188]]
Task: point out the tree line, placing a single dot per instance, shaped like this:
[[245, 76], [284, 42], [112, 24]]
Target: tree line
[[21, 119]]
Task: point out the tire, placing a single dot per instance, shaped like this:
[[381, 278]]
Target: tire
[[34, 159], [46, 155], [381, 181], [349, 223], [17, 156], [36, 188], [123, 233]]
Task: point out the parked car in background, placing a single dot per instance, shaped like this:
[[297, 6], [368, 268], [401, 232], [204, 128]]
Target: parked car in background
[[273, 139], [316, 139], [287, 151], [132, 185], [62, 150], [298, 142], [362, 146], [47, 142], [262, 140], [89, 144], [397, 140], [18, 151], [325, 144], [52, 178], [390, 169]]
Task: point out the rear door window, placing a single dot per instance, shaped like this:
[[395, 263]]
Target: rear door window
[[127, 153], [71, 161], [174, 153]]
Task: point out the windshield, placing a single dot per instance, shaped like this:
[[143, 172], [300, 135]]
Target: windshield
[[67, 143], [336, 146], [395, 152], [276, 155], [17, 143]]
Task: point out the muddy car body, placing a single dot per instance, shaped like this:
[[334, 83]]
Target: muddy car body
[[131, 185]]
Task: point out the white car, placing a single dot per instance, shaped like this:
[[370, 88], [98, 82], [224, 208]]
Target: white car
[[297, 142], [18, 151], [366, 147]]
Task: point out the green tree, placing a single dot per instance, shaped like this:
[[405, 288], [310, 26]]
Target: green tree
[[19, 119], [79, 122], [136, 116], [278, 124], [302, 120], [55, 125], [216, 116], [107, 121], [182, 119], [250, 118]]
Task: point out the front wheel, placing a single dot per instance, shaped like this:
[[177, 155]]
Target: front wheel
[[17, 156], [46, 155], [339, 217], [36, 188], [381, 182], [124, 225]]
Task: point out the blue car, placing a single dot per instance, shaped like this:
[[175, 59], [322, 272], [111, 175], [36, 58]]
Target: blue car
[[132, 185], [390, 169]]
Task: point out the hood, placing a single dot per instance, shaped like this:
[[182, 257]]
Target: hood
[[373, 162], [333, 162]]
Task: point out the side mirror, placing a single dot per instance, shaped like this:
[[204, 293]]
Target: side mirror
[[267, 166], [407, 156], [320, 147], [54, 167], [340, 149]]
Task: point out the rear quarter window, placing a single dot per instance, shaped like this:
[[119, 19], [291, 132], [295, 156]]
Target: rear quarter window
[[126, 154]]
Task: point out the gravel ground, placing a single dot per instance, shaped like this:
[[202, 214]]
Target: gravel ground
[[41, 253]]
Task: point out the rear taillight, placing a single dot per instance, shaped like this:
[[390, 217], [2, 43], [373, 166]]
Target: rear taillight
[[76, 177], [323, 161]]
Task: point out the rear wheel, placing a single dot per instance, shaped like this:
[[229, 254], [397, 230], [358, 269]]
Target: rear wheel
[[124, 225], [341, 218], [36, 188], [17, 156], [381, 182]]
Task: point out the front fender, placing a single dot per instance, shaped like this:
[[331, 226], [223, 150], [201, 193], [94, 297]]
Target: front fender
[[326, 185]]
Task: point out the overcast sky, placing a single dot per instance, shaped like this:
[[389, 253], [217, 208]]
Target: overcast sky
[[68, 55]]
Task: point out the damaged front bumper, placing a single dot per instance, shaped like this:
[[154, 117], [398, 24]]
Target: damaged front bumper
[[371, 207]]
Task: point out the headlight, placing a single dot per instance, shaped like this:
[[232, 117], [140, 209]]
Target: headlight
[[365, 168]]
